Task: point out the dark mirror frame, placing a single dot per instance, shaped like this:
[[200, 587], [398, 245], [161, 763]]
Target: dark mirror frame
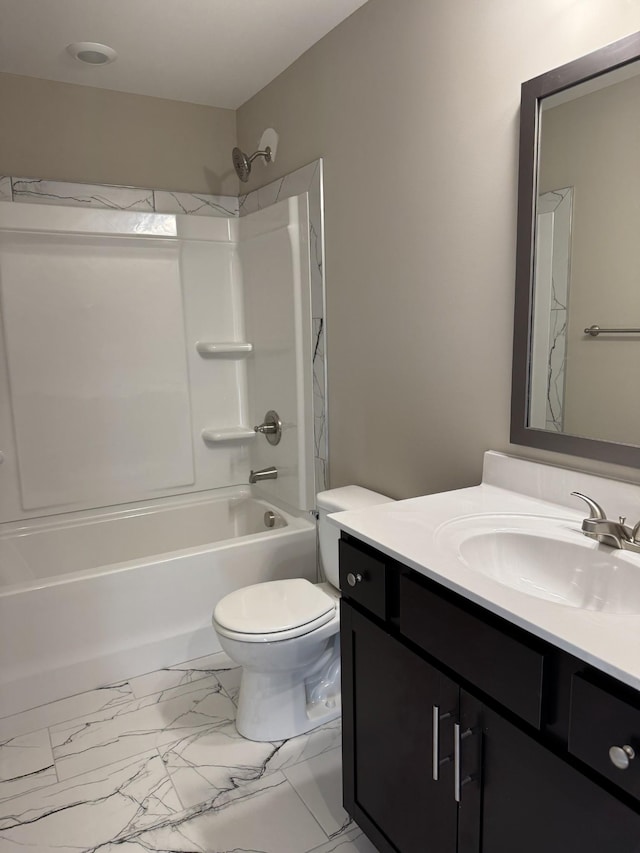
[[593, 65]]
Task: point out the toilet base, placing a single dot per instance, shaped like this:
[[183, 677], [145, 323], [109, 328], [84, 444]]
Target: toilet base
[[274, 707], [277, 705]]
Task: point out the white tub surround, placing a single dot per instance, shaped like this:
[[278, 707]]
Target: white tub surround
[[90, 383], [307, 179], [411, 531], [99, 406], [91, 598]]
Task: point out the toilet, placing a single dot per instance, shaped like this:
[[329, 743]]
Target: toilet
[[285, 636]]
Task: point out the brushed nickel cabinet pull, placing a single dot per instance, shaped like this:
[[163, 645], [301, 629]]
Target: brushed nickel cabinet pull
[[458, 782]]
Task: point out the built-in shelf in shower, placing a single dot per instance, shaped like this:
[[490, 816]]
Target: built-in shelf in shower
[[211, 348], [238, 433]]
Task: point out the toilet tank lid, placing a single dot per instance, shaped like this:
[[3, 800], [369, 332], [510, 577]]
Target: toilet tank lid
[[349, 497]]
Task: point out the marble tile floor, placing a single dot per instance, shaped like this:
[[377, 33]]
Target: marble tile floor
[[155, 764]]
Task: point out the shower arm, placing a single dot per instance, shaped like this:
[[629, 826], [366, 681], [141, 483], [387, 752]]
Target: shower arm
[[266, 154]]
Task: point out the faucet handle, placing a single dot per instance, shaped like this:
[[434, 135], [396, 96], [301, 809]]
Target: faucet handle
[[271, 428], [595, 510]]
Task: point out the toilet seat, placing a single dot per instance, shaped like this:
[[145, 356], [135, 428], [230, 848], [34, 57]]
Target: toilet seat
[[272, 611]]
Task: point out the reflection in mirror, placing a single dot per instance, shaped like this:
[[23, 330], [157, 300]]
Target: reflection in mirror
[[550, 300], [579, 259], [591, 144]]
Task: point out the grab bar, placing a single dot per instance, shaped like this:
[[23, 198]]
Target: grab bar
[[594, 331]]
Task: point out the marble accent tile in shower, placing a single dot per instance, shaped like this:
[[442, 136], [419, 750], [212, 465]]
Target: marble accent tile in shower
[[556, 204], [556, 364], [196, 204], [321, 474], [5, 188], [82, 195], [250, 202], [292, 184], [101, 700], [319, 394], [139, 725], [26, 763], [316, 241]]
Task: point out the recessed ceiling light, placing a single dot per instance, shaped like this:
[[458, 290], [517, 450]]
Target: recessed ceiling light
[[92, 53]]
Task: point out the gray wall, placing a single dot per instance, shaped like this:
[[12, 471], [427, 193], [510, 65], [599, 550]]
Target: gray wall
[[64, 132], [414, 106]]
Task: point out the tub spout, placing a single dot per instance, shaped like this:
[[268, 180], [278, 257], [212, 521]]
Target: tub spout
[[264, 474]]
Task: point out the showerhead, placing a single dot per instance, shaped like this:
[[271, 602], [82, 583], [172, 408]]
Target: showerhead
[[242, 162]]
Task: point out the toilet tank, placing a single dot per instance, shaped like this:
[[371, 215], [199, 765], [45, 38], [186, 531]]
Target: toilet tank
[[339, 500]]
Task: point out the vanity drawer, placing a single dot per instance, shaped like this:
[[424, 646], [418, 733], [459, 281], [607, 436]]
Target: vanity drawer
[[363, 578], [508, 670], [600, 720]]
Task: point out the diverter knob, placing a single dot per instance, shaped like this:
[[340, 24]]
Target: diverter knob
[[271, 428]]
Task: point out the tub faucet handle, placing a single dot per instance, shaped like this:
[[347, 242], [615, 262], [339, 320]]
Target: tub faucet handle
[[271, 427]]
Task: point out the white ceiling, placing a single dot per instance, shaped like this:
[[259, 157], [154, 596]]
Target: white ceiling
[[216, 52]]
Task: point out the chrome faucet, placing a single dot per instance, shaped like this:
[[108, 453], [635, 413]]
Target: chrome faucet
[[616, 534], [264, 474]]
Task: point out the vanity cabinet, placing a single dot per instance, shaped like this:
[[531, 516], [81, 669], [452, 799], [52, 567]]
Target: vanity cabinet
[[461, 732]]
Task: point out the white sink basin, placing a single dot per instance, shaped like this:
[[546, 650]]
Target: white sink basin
[[547, 558]]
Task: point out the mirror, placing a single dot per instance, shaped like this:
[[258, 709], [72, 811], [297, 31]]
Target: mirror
[[575, 387]]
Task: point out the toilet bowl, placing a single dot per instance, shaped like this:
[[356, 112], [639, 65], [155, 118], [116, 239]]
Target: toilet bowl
[[285, 636]]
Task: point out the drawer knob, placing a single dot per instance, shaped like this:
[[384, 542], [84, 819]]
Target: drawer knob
[[621, 756], [352, 579]]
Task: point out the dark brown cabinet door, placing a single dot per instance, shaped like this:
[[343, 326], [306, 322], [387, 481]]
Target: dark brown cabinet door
[[389, 696], [532, 801]]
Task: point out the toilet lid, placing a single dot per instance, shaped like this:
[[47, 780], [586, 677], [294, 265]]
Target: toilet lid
[[273, 607]]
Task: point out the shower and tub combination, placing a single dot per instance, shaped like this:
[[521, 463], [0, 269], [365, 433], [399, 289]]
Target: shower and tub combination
[[139, 352]]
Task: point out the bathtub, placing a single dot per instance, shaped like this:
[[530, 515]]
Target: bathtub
[[92, 598]]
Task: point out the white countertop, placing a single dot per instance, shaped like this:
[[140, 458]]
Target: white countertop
[[410, 532]]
